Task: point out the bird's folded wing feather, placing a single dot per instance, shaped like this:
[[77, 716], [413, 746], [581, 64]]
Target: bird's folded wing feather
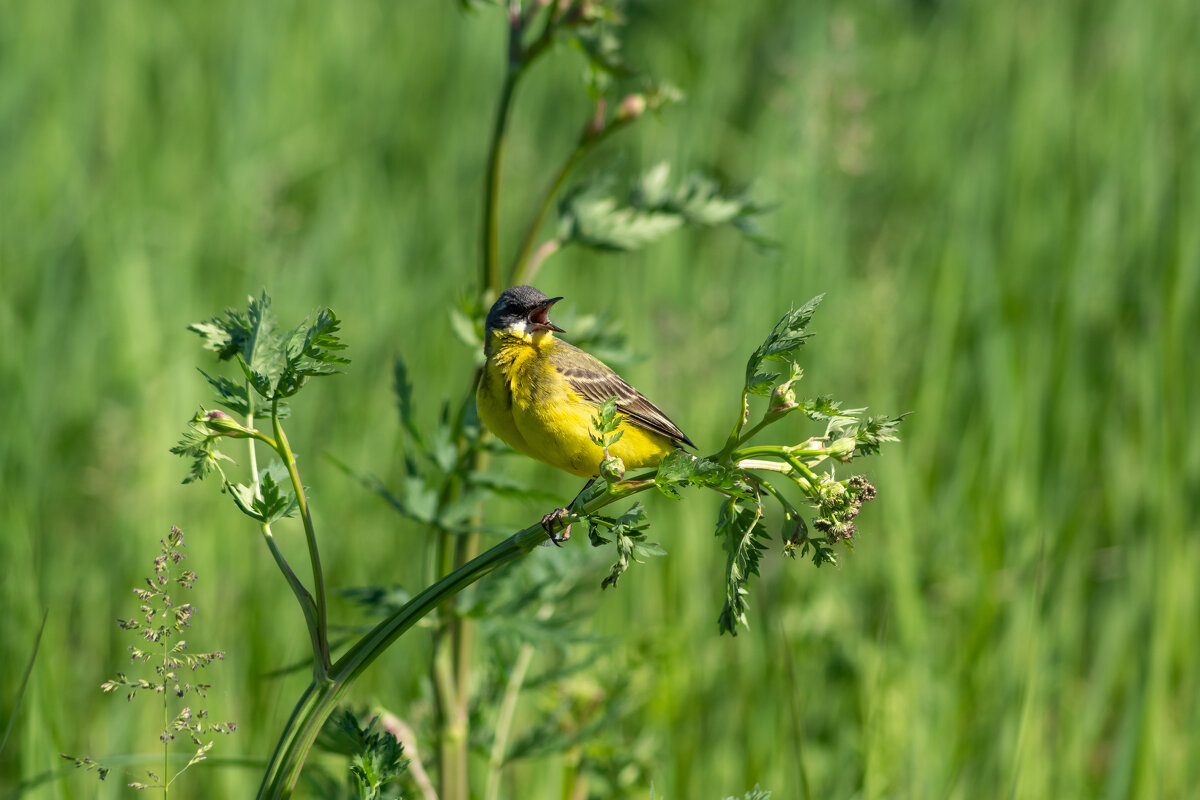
[[595, 382]]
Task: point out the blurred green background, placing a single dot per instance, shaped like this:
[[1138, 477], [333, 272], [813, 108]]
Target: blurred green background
[[1000, 200]]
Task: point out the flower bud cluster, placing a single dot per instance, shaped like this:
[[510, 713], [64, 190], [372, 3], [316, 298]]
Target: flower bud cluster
[[838, 504]]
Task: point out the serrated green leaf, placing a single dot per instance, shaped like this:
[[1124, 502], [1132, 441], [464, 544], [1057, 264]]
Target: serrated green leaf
[[741, 535], [309, 351], [376, 755], [251, 337], [276, 498], [199, 443], [682, 468], [761, 383], [785, 338], [627, 531], [677, 466], [648, 550], [243, 498], [594, 219], [441, 447], [591, 214], [871, 432], [404, 401]]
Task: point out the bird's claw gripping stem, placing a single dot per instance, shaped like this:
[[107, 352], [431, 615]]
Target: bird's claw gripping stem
[[550, 520]]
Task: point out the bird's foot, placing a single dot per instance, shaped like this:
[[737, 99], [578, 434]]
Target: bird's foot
[[550, 520]]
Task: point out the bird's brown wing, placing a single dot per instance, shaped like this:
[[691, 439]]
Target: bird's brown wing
[[595, 382]]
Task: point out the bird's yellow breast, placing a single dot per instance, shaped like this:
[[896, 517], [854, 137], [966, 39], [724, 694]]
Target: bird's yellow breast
[[527, 402]]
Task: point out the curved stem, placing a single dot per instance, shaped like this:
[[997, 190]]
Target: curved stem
[[307, 605], [490, 277], [544, 251], [320, 698], [735, 436], [804, 473], [519, 60], [321, 657], [522, 268]]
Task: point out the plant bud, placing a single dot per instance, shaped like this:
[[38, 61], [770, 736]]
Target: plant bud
[[783, 399], [612, 469], [842, 449], [631, 107], [221, 422]]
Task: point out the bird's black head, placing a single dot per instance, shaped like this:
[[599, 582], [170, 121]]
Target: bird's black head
[[522, 310]]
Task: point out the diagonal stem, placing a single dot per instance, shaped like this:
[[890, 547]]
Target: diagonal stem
[[321, 697], [321, 656]]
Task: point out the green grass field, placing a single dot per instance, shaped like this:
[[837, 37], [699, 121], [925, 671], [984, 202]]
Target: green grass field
[[1000, 201]]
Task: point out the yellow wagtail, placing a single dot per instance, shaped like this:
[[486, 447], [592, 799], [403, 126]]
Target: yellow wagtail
[[539, 395]]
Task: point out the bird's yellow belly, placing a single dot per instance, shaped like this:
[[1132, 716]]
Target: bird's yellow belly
[[531, 407]]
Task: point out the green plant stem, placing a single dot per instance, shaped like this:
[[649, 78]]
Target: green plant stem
[[321, 697], [508, 711], [544, 251], [490, 279], [521, 263], [519, 60], [523, 268], [321, 655], [451, 669], [308, 606], [166, 775], [804, 473], [250, 443], [735, 436], [462, 647]]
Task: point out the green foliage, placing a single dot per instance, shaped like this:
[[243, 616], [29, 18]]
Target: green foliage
[[781, 345], [680, 468], [376, 755], [744, 540], [276, 364], [593, 216], [628, 530], [1008, 256]]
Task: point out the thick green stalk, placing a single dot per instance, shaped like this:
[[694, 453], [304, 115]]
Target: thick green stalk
[[321, 698]]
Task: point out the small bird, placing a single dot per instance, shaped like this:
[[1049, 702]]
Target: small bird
[[539, 394]]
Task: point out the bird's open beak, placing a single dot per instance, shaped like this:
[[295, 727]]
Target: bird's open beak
[[540, 316]]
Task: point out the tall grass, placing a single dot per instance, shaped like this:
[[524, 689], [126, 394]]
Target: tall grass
[[999, 199]]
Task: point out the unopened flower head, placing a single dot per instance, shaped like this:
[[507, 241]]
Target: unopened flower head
[[221, 422], [612, 469], [631, 107]]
